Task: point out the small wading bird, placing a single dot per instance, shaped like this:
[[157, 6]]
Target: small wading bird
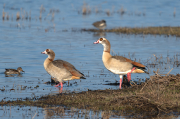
[[13, 71], [100, 24], [59, 69], [118, 64]]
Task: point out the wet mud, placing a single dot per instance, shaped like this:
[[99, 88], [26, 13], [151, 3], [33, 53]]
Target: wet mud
[[157, 96]]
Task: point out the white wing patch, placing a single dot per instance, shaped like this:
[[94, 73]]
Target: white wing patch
[[119, 72], [102, 24]]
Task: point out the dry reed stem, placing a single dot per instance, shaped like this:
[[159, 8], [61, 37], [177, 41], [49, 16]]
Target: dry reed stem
[[169, 72]]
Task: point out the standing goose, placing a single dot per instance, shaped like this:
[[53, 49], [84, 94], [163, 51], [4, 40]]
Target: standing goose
[[59, 69], [118, 64]]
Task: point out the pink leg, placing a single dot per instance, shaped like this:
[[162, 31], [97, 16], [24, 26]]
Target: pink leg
[[120, 81], [60, 89], [59, 84], [129, 74]]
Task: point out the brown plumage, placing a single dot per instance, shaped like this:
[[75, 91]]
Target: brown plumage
[[118, 64], [123, 59], [59, 69], [13, 71], [69, 67], [135, 63]]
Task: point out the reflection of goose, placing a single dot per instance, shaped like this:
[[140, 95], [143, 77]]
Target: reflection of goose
[[59, 69], [13, 71], [118, 64], [100, 24]]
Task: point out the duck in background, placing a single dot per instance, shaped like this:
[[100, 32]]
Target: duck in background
[[100, 24], [11, 72]]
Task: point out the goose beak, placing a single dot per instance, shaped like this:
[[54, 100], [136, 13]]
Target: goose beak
[[43, 53], [96, 42]]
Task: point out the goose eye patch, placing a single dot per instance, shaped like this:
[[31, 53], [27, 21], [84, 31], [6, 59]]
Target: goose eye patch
[[47, 50], [101, 39]]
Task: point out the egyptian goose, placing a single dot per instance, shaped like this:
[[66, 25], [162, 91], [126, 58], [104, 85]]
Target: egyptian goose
[[100, 24], [13, 71], [118, 64], [59, 69]]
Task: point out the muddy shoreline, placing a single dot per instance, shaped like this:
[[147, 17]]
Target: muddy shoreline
[[163, 30], [159, 95]]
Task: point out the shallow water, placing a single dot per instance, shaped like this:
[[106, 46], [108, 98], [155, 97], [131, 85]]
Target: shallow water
[[30, 112], [23, 41]]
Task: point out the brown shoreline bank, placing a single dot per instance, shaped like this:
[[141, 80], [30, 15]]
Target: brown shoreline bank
[[163, 30], [159, 95]]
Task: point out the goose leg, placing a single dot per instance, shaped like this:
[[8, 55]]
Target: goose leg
[[120, 81], [60, 89], [59, 85], [129, 74]]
